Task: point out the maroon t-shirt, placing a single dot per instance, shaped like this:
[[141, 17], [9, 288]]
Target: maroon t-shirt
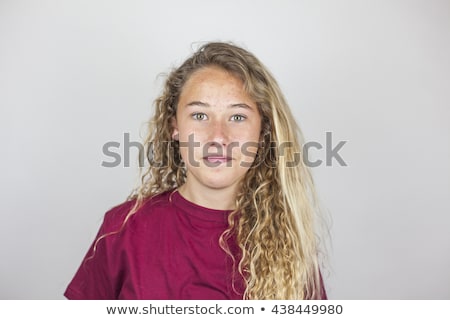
[[168, 250]]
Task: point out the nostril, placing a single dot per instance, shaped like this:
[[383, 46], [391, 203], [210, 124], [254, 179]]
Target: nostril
[[215, 144], [213, 147]]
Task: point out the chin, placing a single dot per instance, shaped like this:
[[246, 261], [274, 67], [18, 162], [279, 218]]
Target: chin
[[217, 185], [219, 182], [220, 179]]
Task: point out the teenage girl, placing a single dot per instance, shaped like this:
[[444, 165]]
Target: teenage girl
[[226, 208]]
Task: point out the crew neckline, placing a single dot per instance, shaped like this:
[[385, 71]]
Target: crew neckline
[[191, 208]]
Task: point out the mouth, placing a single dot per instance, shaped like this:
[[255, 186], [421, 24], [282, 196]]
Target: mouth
[[217, 159]]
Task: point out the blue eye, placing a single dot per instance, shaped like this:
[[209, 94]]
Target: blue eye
[[238, 117], [199, 116]]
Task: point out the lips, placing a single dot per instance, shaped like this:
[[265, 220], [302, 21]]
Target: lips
[[217, 158]]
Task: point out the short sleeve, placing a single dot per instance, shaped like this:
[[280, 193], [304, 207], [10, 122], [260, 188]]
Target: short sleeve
[[100, 273]]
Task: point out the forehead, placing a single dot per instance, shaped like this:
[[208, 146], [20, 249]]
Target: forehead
[[213, 81], [213, 72]]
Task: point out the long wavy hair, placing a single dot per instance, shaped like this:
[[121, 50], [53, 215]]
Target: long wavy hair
[[275, 216]]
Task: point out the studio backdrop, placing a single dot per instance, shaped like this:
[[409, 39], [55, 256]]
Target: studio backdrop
[[368, 82]]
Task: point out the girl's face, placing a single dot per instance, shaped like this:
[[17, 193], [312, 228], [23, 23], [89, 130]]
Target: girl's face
[[218, 126]]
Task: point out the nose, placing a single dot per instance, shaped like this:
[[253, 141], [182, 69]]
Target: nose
[[219, 133]]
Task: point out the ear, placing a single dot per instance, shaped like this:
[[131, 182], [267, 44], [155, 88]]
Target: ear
[[175, 132]]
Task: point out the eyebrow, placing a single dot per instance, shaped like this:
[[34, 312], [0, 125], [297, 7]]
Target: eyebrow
[[204, 104]]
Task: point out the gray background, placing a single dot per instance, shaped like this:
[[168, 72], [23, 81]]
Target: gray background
[[77, 74]]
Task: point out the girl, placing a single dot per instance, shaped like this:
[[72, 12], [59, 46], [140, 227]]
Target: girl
[[226, 209]]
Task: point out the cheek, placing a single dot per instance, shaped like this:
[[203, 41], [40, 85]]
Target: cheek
[[191, 146], [248, 136], [190, 134], [248, 147], [249, 151]]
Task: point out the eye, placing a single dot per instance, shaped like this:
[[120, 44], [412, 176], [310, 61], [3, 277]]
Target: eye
[[238, 117], [199, 116]]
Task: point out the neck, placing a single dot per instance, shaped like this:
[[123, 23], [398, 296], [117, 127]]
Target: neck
[[218, 199]]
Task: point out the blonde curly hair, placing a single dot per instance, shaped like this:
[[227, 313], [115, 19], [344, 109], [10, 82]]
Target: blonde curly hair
[[275, 216]]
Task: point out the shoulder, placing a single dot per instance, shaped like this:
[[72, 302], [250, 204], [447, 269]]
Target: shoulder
[[122, 214]]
